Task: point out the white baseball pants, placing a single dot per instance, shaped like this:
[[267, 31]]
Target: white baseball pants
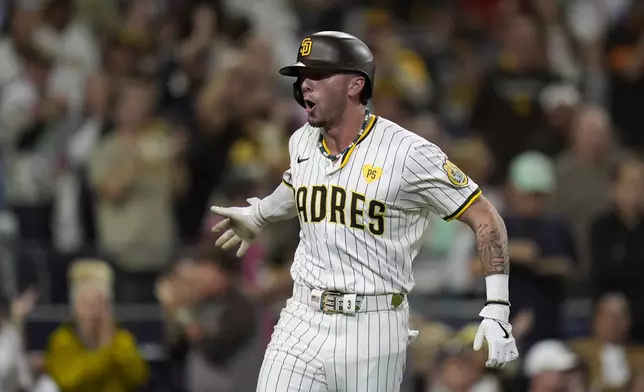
[[314, 351]]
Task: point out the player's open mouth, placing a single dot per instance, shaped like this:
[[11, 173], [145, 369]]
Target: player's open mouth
[[309, 104]]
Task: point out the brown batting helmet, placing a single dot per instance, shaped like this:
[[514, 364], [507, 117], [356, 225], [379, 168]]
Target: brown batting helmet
[[333, 51]]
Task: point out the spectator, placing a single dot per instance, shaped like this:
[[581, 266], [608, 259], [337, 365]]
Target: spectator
[[76, 204], [402, 73], [507, 112], [121, 60], [617, 240], [624, 46], [539, 246], [62, 37], [613, 361], [31, 115], [457, 78], [261, 150], [215, 320], [93, 352], [15, 374], [586, 164], [18, 33], [183, 74], [549, 364], [561, 47], [559, 103], [456, 370], [136, 173]]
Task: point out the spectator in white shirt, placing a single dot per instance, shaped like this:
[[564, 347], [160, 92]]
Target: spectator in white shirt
[[74, 48], [21, 24], [30, 117]]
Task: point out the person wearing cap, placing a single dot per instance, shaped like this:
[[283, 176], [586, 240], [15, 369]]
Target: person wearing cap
[[559, 102], [549, 364], [540, 246]]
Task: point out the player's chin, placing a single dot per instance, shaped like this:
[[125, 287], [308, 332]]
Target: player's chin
[[316, 122]]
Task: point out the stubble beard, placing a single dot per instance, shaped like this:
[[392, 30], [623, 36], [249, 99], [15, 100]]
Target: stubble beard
[[333, 115]]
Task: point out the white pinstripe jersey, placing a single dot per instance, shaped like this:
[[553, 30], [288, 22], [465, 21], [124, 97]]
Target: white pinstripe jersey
[[362, 218]]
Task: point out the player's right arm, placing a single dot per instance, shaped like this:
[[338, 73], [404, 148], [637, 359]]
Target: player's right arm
[[280, 204], [242, 224]]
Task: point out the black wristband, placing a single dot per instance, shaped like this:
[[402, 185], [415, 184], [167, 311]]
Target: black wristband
[[497, 302]]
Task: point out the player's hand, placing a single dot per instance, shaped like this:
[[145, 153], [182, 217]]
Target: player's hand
[[497, 331], [242, 224]]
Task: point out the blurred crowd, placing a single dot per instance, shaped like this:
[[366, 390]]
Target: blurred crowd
[[122, 121]]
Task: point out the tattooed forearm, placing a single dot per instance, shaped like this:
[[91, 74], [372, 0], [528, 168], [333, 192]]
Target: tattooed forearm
[[492, 243], [491, 236]]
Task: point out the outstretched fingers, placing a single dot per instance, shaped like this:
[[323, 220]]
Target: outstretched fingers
[[231, 242], [224, 224], [225, 237]]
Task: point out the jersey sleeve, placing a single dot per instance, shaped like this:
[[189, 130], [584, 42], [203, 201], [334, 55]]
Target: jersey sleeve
[[280, 204], [430, 180], [287, 178]]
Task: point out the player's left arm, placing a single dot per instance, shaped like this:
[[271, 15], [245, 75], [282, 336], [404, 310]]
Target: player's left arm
[[430, 180], [492, 243], [491, 239]]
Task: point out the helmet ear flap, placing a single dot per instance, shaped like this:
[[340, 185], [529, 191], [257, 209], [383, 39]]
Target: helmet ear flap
[[297, 93]]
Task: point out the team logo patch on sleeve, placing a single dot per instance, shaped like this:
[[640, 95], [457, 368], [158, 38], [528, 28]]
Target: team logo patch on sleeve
[[455, 175]]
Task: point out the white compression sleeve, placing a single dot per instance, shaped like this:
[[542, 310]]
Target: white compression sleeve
[[279, 205]]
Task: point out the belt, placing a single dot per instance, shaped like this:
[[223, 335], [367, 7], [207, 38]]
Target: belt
[[332, 302]]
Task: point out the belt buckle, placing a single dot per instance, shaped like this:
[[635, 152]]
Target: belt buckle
[[330, 302]]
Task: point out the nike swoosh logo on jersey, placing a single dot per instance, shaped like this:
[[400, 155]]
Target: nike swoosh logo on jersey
[[507, 335], [300, 160]]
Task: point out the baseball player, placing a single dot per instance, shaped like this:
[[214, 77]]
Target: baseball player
[[364, 190]]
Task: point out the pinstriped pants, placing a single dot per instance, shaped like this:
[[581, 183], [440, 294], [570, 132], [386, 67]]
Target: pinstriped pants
[[311, 351]]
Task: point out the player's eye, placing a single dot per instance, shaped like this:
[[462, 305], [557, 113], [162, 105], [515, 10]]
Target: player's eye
[[315, 75]]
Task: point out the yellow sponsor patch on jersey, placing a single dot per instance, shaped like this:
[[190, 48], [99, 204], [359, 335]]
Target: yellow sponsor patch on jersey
[[455, 175], [371, 173]]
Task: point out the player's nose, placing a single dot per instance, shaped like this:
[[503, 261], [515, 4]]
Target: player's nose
[[307, 85]]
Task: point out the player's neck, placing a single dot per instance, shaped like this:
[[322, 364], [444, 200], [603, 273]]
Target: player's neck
[[339, 136]]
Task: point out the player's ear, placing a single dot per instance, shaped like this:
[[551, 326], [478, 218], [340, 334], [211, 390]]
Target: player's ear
[[356, 84]]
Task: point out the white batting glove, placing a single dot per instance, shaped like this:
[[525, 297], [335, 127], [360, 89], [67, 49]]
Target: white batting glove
[[242, 224], [495, 328]]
